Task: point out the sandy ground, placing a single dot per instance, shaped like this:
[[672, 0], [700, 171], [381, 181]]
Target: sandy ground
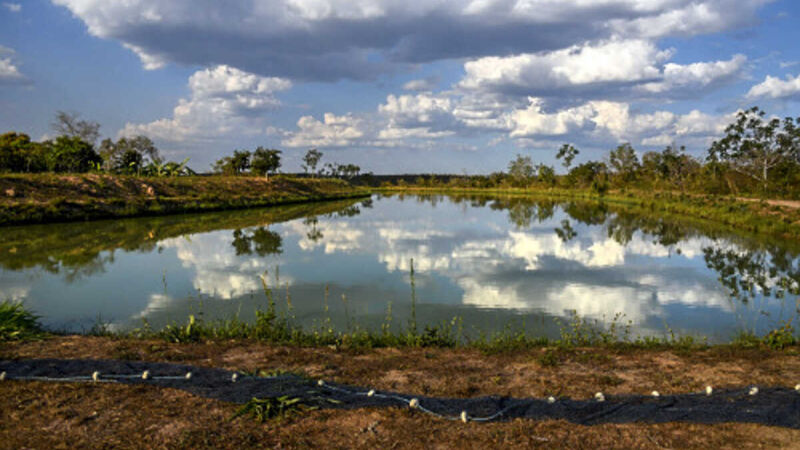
[[39, 415]]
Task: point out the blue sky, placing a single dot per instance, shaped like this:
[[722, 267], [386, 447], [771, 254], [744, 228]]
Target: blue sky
[[395, 86]]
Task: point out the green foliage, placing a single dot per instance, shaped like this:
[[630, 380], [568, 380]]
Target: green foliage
[[233, 165], [17, 323], [521, 171], [567, 152], [624, 162], [754, 146], [265, 161], [272, 408], [310, 160], [72, 154]]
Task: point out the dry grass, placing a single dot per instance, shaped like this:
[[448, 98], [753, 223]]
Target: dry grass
[[59, 416]]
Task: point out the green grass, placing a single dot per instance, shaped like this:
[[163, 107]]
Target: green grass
[[17, 323]]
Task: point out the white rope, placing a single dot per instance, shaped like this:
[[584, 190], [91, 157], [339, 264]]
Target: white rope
[[414, 403]]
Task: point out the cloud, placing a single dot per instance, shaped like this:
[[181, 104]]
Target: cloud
[[427, 84], [605, 121], [684, 80], [224, 102], [13, 7], [9, 72], [334, 39], [615, 68], [775, 88], [332, 131], [418, 116]]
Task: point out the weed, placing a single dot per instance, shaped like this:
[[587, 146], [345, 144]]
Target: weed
[[272, 408], [17, 323]]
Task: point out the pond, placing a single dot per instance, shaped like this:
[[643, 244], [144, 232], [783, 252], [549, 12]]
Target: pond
[[491, 262]]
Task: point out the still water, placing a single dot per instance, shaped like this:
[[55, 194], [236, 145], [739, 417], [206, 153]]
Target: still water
[[493, 262]]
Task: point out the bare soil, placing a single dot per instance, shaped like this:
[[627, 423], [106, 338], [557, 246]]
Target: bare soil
[[38, 415]]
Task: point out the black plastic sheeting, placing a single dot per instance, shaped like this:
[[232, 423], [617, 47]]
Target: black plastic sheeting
[[770, 406]]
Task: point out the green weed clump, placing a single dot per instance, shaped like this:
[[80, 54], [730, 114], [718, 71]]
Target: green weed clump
[[17, 323], [272, 408]]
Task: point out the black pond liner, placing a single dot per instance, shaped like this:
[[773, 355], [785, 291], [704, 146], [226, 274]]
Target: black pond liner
[[770, 406]]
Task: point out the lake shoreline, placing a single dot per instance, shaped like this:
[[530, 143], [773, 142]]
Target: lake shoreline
[[745, 214], [88, 414], [47, 198]]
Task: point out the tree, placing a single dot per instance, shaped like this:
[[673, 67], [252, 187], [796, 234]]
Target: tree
[[233, 165], [70, 125], [624, 161], [753, 145], [310, 160], [546, 174], [137, 149], [265, 161], [567, 152], [13, 149], [520, 170], [72, 154]]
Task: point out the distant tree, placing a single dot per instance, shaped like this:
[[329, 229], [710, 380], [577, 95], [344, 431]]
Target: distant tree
[[567, 152], [72, 154], [350, 170], [546, 174], [624, 162], [754, 145], [120, 155], [233, 165], [310, 160], [265, 161], [521, 170], [70, 125], [13, 149], [590, 173]]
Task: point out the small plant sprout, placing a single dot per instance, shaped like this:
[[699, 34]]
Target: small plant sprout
[[234, 377], [551, 399], [320, 382], [413, 403], [188, 375], [655, 394], [709, 390], [600, 397], [753, 390], [371, 393], [464, 417], [146, 375], [95, 375]]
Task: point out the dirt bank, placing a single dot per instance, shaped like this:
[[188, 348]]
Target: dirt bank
[[132, 416], [43, 198]]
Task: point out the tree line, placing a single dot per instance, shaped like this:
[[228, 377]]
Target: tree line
[[263, 162], [757, 155], [74, 151]]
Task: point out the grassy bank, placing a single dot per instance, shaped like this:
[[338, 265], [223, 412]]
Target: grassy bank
[[41, 198], [750, 216]]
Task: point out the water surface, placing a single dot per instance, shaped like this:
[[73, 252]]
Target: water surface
[[493, 262]]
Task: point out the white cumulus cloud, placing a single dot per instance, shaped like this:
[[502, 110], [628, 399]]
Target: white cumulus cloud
[[776, 88], [224, 101]]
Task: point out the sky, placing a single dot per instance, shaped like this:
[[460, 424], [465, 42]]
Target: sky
[[440, 86]]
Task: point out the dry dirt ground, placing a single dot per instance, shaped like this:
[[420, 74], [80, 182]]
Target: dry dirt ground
[[44, 415]]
